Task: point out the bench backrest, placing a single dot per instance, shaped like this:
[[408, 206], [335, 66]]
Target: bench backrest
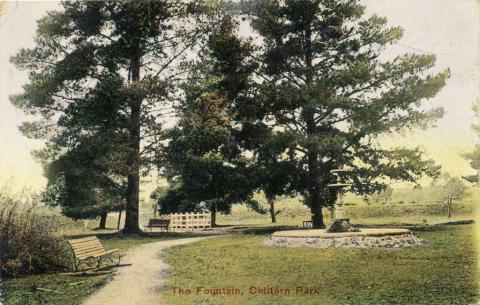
[[86, 245], [158, 222]]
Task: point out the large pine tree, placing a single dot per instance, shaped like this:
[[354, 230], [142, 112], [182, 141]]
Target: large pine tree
[[206, 162], [328, 93], [108, 68]]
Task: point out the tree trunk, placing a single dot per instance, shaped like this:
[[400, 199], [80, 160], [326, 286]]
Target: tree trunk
[[213, 214], [103, 221], [133, 184], [119, 218], [273, 215], [309, 113], [317, 215], [314, 192]]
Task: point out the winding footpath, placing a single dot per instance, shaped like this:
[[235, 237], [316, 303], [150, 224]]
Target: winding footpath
[[138, 284]]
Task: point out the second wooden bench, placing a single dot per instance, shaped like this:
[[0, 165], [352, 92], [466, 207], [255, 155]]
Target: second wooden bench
[[158, 223]]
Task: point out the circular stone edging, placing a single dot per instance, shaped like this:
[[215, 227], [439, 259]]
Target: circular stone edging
[[366, 238]]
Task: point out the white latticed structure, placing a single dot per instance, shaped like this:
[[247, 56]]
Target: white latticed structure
[[190, 221]]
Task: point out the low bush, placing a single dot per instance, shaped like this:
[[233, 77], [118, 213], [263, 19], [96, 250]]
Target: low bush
[[29, 243]]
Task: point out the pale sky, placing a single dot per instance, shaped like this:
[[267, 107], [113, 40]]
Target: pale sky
[[446, 28]]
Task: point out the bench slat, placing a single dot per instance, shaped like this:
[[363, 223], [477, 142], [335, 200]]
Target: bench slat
[[89, 246], [82, 239], [90, 249], [86, 245], [97, 254], [79, 252]]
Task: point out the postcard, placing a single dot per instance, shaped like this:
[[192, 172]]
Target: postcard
[[224, 152]]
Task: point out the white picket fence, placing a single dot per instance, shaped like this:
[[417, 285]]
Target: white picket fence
[[190, 221]]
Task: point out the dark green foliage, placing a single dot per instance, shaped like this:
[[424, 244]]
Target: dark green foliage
[[329, 96], [102, 78], [205, 160], [83, 183], [242, 7]]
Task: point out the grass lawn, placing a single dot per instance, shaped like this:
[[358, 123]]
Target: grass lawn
[[71, 290], [64, 289], [444, 272]]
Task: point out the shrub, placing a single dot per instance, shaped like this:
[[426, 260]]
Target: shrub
[[29, 243]]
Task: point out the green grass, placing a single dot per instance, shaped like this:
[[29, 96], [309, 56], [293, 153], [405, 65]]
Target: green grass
[[70, 290], [444, 272]]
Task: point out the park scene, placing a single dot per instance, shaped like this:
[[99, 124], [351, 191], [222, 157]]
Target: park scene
[[310, 152]]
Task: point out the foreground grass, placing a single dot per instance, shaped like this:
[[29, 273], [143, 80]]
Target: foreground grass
[[55, 289], [51, 289], [444, 272]]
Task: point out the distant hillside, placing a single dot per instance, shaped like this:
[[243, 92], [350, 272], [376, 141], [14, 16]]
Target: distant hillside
[[424, 195]]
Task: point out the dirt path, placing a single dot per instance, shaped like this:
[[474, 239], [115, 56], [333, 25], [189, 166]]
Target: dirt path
[[139, 283]]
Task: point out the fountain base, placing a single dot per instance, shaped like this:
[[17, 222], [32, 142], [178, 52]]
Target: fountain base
[[341, 225], [364, 238]]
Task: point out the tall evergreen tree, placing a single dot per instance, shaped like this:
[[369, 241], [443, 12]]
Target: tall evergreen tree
[[205, 159], [327, 92], [107, 69]]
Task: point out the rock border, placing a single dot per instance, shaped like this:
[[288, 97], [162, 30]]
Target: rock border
[[388, 241]]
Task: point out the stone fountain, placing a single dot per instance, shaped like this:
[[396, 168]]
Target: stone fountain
[[341, 233], [340, 223]]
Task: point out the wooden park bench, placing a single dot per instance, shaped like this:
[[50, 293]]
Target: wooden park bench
[[162, 223], [87, 248]]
